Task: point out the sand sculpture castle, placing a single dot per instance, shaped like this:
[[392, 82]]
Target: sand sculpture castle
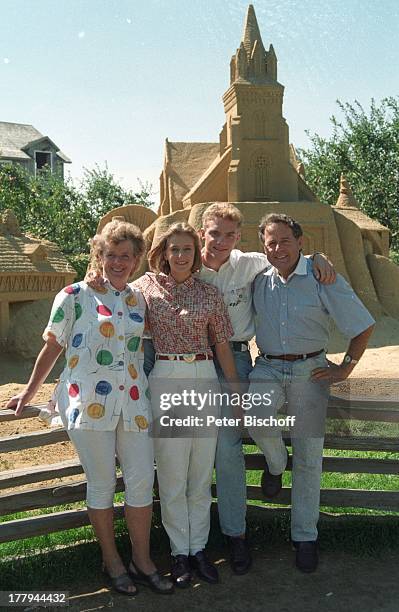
[[254, 167], [30, 270]]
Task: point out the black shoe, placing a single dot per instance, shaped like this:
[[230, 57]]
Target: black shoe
[[181, 571], [240, 555], [271, 484], [121, 584], [156, 582], [205, 569], [307, 556]]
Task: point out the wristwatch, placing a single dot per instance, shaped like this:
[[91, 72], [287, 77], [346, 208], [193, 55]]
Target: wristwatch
[[349, 359]]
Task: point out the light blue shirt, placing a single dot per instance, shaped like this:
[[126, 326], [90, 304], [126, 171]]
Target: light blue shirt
[[293, 315]]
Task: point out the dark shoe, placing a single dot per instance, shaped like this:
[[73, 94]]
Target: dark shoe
[[121, 584], [271, 484], [156, 582], [240, 555], [307, 556], [205, 569], [181, 571]]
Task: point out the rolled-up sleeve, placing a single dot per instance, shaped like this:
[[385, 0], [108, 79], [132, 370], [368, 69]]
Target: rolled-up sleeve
[[62, 318], [220, 328], [348, 311]]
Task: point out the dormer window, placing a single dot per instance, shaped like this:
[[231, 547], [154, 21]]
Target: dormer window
[[43, 159]]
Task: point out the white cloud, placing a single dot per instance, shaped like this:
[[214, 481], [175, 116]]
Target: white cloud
[[82, 34], [6, 60]]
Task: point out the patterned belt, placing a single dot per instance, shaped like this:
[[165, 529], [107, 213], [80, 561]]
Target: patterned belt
[[293, 357], [188, 358]]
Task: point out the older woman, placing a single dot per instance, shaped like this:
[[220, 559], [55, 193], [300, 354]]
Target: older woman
[[186, 317], [102, 397]]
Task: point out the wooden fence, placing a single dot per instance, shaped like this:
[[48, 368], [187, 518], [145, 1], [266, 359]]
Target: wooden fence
[[44, 496]]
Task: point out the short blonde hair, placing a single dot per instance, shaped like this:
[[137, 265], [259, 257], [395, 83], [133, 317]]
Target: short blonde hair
[[222, 210], [156, 257], [114, 232]]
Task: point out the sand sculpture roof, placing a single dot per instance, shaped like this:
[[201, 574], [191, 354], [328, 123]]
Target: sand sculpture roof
[[188, 161], [15, 137], [24, 254]]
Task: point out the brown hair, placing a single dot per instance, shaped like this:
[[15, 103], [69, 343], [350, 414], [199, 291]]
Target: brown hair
[[114, 232], [279, 218], [222, 210], [156, 257]]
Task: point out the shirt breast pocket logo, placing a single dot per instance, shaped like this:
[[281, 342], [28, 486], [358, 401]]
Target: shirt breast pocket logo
[[238, 296]]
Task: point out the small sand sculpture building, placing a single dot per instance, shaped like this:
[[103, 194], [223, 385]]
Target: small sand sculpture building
[[30, 269], [254, 167]]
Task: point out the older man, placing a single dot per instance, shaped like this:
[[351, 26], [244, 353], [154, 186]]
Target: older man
[[292, 315]]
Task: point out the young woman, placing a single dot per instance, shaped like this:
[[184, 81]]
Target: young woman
[[102, 397], [186, 317]]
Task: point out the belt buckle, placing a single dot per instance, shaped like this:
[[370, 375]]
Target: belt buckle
[[304, 356], [189, 358]]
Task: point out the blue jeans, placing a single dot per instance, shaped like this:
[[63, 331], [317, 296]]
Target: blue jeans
[[230, 464], [289, 382]]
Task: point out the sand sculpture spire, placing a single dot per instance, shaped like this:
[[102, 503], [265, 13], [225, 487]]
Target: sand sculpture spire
[[346, 198], [251, 33], [252, 63]]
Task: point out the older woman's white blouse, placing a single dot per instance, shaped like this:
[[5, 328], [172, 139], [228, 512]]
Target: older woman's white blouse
[[103, 376]]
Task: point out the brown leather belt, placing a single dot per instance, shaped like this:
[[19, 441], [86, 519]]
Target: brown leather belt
[[188, 358], [293, 357]]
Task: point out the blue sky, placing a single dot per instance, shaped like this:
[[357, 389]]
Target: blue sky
[[108, 80]]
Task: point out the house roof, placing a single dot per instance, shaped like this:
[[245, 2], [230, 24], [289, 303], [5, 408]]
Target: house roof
[[16, 137]]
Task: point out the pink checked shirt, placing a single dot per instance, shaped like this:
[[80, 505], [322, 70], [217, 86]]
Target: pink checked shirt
[[184, 318]]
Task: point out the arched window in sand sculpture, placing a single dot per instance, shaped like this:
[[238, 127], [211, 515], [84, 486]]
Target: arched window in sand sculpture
[[261, 168]]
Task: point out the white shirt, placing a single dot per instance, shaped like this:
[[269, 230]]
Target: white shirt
[[103, 377], [234, 280]]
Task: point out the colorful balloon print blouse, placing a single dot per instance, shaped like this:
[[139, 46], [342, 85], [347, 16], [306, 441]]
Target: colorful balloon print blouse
[[103, 377]]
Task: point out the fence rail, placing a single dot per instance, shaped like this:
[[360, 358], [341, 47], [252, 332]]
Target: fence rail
[[65, 492]]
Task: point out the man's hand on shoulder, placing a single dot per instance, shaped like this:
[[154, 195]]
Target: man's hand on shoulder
[[323, 269]]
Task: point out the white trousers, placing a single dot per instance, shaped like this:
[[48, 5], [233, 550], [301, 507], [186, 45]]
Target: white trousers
[[97, 450], [184, 467]]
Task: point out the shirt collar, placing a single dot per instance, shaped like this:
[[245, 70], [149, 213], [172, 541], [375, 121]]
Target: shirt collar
[[301, 269], [109, 286], [171, 283]]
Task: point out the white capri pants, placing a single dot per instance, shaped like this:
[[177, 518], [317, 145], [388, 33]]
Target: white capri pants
[[97, 450], [185, 468]]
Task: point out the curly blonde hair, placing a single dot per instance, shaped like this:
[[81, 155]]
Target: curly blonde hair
[[114, 232], [156, 257]]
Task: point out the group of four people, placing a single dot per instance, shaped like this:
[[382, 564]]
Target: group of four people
[[200, 332]]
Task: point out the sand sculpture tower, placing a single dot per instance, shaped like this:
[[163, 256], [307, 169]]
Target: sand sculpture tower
[[255, 128]]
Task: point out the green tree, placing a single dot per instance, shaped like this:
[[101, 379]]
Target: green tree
[[48, 207], [365, 147]]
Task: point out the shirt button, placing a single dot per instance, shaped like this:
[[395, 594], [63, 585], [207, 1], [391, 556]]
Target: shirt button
[[283, 323], [120, 363], [117, 293], [120, 313], [283, 341], [283, 304], [121, 388], [121, 337]]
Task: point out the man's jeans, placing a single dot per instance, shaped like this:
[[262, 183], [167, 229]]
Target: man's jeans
[[289, 381], [230, 464]]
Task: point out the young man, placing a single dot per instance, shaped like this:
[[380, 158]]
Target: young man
[[292, 315], [233, 272]]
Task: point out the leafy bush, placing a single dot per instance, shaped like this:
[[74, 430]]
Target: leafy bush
[[48, 207], [365, 147]]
